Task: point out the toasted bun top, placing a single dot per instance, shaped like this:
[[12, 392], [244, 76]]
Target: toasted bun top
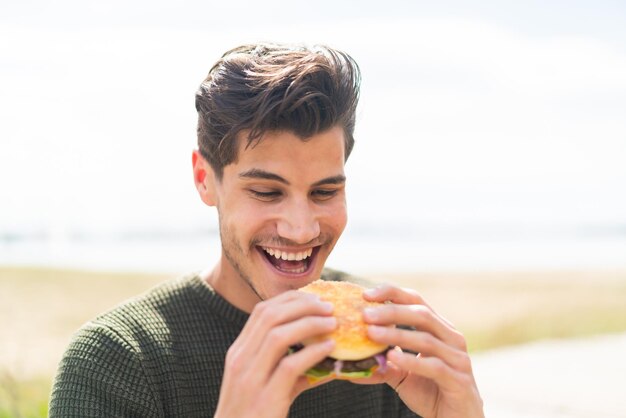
[[350, 336]]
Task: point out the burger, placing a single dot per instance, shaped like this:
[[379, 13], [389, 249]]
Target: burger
[[355, 355]]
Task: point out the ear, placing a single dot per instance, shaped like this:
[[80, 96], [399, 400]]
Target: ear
[[204, 178]]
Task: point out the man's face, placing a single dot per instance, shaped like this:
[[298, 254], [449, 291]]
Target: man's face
[[281, 209]]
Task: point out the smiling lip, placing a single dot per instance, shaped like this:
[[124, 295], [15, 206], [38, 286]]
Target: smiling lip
[[294, 263]]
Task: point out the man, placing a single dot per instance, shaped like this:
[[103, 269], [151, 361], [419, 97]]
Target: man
[[275, 128]]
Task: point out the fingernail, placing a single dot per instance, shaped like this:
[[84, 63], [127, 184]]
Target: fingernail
[[393, 354], [327, 307], [370, 314], [375, 330], [371, 292], [330, 322]]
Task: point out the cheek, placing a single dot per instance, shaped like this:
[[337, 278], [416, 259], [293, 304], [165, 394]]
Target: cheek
[[336, 216], [247, 219]]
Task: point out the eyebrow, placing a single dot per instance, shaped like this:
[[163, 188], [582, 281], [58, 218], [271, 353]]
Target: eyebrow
[[257, 173], [338, 179]]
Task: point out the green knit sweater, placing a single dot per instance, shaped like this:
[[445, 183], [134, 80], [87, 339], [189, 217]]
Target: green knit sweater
[[162, 355]]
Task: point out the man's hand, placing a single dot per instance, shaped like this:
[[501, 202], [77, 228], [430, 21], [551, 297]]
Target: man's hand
[[438, 382], [259, 380]]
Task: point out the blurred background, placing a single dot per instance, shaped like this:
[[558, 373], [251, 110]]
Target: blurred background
[[489, 164], [489, 136]]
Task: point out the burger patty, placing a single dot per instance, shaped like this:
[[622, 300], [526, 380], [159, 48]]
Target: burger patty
[[348, 366]]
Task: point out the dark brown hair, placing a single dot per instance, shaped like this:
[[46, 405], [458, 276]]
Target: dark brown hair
[[269, 87]]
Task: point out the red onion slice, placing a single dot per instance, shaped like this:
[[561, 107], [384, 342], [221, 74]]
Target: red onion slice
[[382, 362], [338, 366]]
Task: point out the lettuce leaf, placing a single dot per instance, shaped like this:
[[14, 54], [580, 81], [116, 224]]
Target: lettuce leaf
[[320, 374]]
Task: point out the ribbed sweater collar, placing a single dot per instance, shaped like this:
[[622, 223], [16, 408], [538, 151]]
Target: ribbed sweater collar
[[216, 302]]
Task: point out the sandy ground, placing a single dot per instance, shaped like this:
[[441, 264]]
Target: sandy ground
[[40, 310], [555, 379]]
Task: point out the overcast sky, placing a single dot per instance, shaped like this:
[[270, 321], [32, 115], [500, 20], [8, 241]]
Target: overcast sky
[[498, 111]]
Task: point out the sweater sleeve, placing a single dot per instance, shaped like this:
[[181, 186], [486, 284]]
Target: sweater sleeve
[[101, 375]]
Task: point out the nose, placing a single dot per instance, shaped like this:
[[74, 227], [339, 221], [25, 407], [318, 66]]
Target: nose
[[298, 222]]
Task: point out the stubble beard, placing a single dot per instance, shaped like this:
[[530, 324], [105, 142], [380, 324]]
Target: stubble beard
[[231, 249], [230, 243]]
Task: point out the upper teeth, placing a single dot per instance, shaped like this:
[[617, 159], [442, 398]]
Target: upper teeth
[[289, 256]]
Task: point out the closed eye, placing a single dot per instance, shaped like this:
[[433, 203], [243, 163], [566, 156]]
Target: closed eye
[[324, 194], [265, 196]]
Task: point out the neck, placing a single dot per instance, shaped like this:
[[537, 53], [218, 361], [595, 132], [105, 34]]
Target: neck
[[231, 286]]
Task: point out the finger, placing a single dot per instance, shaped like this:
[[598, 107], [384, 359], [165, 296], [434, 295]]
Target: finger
[[398, 295], [284, 308], [391, 293], [432, 368], [401, 296], [280, 338], [417, 316], [422, 342], [288, 377]]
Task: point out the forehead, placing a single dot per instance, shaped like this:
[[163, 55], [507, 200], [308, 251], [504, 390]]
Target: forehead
[[286, 154]]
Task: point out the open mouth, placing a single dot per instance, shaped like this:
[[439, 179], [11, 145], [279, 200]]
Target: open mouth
[[290, 262]]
